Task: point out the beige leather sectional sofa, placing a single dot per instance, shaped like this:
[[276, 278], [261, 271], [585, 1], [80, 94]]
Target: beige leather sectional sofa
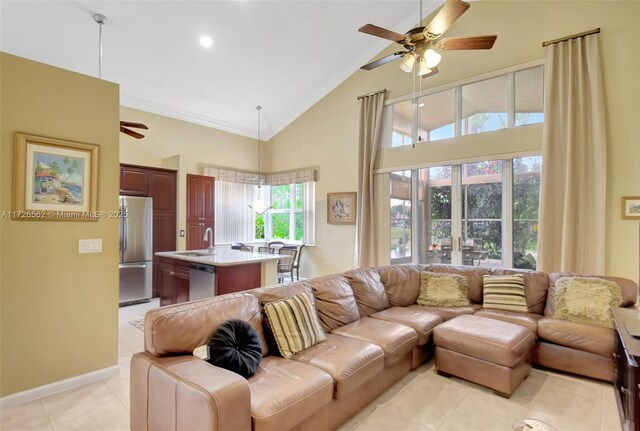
[[376, 333]]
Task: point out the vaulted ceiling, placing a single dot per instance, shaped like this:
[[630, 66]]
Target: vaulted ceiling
[[283, 55]]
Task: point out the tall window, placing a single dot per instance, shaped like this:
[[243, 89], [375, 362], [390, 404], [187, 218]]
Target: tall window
[[400, 216], [526, 196], [291, 217]]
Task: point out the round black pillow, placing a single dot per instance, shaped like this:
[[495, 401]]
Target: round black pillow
[[236, 347]]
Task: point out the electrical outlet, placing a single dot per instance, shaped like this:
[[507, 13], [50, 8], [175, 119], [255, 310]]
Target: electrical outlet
[[90, 246]]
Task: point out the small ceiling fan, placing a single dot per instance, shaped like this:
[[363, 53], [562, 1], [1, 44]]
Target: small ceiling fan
[[420, 41], [124, 128]]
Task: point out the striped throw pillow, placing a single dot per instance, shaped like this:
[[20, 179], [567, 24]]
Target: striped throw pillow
[[504, 292], [294, 323]]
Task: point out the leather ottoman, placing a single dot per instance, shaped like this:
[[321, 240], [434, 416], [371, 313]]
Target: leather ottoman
[[485, 351]]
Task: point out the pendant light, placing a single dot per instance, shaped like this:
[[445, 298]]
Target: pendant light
[[259, 202]]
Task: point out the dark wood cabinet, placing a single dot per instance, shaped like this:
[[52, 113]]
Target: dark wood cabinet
[[626, 370], [134, 180], [161, 185], [174, 281], [200, 209]]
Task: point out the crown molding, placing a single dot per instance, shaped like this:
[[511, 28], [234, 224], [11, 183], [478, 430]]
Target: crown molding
[[191, 117]]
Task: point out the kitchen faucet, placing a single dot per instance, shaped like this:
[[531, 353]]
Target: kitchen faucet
[[208, 236]]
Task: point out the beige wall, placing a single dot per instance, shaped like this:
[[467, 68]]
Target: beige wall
[[327, 134], [180, 145], [59, 309]]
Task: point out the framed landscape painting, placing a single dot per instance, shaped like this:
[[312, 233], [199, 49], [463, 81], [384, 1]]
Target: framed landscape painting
[[631, 207], [341, 208], [54, 179]]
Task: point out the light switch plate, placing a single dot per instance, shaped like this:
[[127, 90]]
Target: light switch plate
[[90, 246], [181, 233]]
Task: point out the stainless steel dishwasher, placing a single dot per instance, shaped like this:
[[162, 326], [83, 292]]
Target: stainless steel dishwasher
[[202, 282]]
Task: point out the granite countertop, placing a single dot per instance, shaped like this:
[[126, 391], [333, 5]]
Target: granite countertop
[[220, 257]]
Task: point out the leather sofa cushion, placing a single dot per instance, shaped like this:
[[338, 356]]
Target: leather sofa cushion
[[580, 336], [180, 328], [402, 283], [446, 313], [471, 273], [349, 361], [368, 290], [628, 288], [487, 339], [396, 340], [335, 301], [285, 392], [528, 320], [277, 292], [536, 285], [421, 321]]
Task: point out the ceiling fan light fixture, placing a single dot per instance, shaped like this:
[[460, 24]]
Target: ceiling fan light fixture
[[422, 67], [432, 58], [407, 62]]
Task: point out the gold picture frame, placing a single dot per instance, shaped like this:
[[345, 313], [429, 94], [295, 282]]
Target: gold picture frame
[[630, 207], [54, 179], [342, 208]]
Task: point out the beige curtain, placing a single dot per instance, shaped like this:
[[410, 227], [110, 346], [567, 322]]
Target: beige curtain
[[573, 190], [370, 128]]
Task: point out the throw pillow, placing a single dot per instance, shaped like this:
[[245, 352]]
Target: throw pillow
[[504, 292], [587, 300], [234, 346], [294, 323], [443, 290]]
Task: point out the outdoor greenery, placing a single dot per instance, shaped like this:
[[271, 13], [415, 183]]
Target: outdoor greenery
[[482, 209], [282, 199]]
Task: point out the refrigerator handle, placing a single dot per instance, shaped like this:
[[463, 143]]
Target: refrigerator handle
[[125, 226]]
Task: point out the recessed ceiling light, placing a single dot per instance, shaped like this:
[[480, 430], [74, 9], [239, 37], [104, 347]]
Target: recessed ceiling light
[[206, 42], [421, 105]]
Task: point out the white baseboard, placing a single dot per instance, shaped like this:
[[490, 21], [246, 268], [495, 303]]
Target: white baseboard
[[55, 387]]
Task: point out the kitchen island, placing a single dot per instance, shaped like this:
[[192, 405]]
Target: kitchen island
[[195, 274]]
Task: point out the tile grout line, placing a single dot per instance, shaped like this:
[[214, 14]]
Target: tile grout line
[[46, 414]]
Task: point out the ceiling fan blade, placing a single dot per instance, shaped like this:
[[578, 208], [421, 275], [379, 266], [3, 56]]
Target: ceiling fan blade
[[434, 70], [131, 133], [374, 30], [446, 16], [470, 42], [384, 60], [134, 125]]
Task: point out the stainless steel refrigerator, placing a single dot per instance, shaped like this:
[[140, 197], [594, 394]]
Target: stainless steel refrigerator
[[136, 249]]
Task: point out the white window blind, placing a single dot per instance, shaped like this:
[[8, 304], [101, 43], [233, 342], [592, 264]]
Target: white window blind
[[233, 217]]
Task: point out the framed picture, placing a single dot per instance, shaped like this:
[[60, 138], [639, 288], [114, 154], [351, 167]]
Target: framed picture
[[631, 207], [54, 179], [341, 208]]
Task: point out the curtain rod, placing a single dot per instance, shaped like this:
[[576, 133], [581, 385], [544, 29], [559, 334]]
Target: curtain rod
[[573, 36], [384, 90]]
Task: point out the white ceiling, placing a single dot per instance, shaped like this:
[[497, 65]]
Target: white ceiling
[[283, 55]]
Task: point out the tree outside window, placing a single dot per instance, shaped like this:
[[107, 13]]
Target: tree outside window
[[286, 216]]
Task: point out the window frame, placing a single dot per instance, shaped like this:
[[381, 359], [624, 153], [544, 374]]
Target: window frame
[[307, 211], [457, 86]]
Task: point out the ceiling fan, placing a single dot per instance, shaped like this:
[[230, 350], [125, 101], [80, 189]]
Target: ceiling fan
[[419, 42], [124, 128]]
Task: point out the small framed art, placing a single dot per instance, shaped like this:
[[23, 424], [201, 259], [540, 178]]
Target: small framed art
[[341, 208], [631, 207]]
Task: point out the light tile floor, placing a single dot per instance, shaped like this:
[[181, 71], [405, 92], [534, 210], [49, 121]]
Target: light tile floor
[[422, 400]]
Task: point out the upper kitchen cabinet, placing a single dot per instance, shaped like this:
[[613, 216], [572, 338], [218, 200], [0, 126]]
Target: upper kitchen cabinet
[[200, 208], [134, 180]]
